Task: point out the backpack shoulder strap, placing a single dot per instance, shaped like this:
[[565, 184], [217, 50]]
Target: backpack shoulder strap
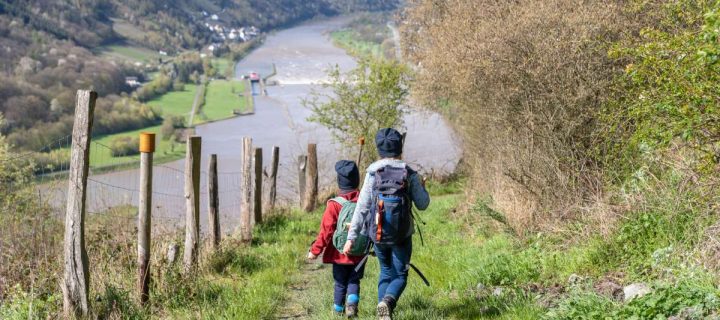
[[340, 200], [410, 171]]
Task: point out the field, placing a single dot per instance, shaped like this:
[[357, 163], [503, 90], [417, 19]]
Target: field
[[222, 65], [177, 103], [130, 52], [221, 98], [165, 150]]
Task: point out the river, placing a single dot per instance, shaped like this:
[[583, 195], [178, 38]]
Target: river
[[302, 54]]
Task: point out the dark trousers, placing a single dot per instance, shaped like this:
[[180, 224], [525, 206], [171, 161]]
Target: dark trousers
[[394, 265], [347, 281]]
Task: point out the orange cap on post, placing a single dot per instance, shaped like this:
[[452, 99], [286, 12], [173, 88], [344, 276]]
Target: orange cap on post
[[147, 142], [362, 141]]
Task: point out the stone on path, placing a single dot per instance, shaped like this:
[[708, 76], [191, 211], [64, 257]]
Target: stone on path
[[636, 290]]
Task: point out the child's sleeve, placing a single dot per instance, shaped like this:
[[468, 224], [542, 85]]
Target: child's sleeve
[[418, 193], [363, 207], [327, 228]]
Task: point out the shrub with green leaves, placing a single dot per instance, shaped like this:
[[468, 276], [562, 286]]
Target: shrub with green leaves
[[125, 146], [361, 102], [668, 94]]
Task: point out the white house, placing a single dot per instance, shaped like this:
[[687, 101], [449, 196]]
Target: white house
[[132, 81]]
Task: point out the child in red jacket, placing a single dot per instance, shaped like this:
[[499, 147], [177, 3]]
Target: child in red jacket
[[347, 280]]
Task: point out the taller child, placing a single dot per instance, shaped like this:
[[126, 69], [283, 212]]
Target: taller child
[[384, 213]]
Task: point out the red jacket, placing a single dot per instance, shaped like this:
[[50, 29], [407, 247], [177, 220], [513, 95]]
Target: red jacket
[[327, 229]]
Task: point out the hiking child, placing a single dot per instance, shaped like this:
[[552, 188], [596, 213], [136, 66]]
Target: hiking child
[[340, 209], [384, 213]]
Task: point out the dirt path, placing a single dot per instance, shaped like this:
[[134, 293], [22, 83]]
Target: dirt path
[[295, 307], [198, 93]]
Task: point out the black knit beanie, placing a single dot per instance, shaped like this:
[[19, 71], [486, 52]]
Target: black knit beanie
[[348, 175], [389, 143]]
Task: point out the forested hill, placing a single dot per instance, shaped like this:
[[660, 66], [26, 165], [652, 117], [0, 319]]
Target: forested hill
[[167, 24], [50, 48]]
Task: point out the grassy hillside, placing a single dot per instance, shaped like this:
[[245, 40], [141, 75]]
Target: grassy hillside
[[477, 265]]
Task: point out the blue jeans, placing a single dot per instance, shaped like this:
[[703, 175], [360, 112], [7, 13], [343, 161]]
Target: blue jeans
[[347, 282], [394, 266]]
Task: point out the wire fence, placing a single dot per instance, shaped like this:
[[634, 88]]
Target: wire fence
[[113, 186]]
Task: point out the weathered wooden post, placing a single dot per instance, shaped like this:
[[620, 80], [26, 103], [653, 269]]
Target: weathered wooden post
[[147, 147], [257, 204], [272, 193], [213, 203], [302, 166], [76, 277], [192, 203], [311, 189], [246, 190]]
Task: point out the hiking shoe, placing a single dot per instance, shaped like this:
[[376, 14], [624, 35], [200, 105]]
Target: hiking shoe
[[351, 311], [384, 310], [338, 311]]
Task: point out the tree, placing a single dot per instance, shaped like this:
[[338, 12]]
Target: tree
[[362, 101]]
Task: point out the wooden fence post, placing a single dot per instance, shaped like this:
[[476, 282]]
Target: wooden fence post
[[192, 203], [311, 191], [213, 203], [76, 277], [246, 190], [147, 147], [302, 166], [257, 205], [272, 193]]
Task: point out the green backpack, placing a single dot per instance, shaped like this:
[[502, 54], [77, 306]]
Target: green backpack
[[360, 245]]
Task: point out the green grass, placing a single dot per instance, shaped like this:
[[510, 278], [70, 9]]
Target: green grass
[[249, 282], [221, 98], [165, 150], [130, 52], [220, 101], [462, 250], [171, 103], [222, 65], [241, 281], [347, 39], [178, 103], [454, 262]]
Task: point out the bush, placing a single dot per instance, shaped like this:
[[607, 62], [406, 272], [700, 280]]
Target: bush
[[54, 160], [125, 146], [522, 81], [363, 101], [158, 86], [170, 126], [117, 114], [666, 98]]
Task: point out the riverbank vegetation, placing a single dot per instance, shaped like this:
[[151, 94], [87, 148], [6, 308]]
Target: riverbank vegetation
[[367, 36]]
